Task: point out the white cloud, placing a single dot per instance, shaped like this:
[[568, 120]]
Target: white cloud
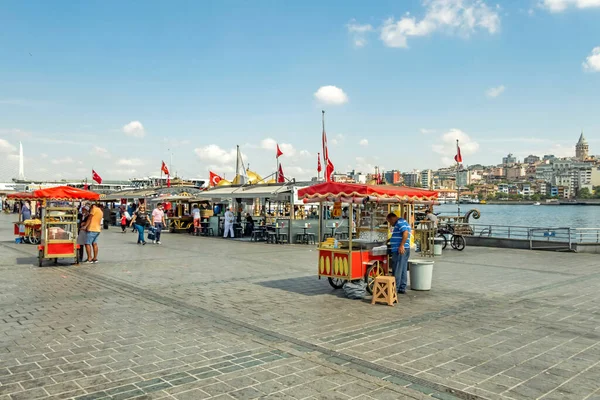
[[134, 129], [446, 146], [364, 142], [592, 62], [215, 155], [331, 95], [305, 153], [130, 162], [100, 152], [65, 160], [271, 144], [562, 5], [462, 17], [495, 91], [336, 140], [359, 32], [6, 147], [425, 131], [123, 173]]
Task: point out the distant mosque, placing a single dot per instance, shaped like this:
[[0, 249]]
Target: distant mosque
[[582, 148]]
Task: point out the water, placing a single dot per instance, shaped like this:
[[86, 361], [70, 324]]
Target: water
[[528, 215]]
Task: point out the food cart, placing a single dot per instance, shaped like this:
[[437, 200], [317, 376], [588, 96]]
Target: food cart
[[58, 227], [356, 246]]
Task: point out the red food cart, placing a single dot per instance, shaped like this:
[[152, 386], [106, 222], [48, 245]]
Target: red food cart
[[354, 246], [58, 220]]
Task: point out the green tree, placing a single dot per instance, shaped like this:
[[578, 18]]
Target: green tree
[[536, 197], [584, 193]]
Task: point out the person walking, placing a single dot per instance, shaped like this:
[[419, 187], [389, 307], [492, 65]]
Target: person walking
[[82, 234], [228, 225], [158, 219], [400, 244], [94, 228], [196, 216], [26, 211], [140, 219], [106, 215], [123, 223]]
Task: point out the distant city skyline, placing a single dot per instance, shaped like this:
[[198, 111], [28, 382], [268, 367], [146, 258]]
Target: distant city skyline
[[89, 87]]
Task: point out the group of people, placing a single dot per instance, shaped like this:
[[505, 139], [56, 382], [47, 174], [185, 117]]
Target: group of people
[[90, 226]]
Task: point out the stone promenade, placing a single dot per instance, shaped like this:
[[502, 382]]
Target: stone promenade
[[200, 318]]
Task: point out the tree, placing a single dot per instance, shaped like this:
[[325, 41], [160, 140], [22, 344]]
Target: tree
[[536, 197], [584, 193]]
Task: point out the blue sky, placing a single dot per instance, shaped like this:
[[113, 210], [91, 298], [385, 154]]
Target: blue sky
[[402, 80]]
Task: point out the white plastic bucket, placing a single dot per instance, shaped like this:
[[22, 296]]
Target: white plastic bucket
[[421, 274], [438, 246]]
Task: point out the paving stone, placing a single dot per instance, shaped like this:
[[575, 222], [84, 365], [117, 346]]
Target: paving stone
[[36, 393]]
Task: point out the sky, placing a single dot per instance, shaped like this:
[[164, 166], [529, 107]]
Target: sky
[[120, 86]]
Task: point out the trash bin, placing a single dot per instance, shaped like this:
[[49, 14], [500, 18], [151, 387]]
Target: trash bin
[[438, 246], [421, 274]]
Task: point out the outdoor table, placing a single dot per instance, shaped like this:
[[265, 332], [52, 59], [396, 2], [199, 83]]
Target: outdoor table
[[204, 228]]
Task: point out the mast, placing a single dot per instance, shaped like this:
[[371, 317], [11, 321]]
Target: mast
[[21, 162], [457, 183]]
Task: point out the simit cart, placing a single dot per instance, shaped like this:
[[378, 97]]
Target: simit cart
[[58, 230], [353, 247]]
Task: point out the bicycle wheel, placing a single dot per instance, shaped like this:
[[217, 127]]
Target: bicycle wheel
[[444, 240], [458, 242]]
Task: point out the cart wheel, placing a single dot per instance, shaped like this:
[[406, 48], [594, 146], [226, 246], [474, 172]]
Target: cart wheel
[[458, 242], [26, 239], [373, 272], [40, 257], [445, 240], [34, 239], [336, 283]]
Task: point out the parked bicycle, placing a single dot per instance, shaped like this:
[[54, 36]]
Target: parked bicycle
[[447, 234]]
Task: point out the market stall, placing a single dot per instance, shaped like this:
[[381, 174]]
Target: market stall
[[353, 239], [58, 222]]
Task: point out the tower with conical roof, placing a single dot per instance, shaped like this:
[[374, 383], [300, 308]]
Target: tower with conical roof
[[581, 148]]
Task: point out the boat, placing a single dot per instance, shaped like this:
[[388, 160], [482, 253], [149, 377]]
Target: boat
[[537, 203], [483, 202]]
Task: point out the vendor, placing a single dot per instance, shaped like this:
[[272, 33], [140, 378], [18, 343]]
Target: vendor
[[400, 246]]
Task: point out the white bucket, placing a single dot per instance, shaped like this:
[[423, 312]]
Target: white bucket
[[421, 274], [438, 246]]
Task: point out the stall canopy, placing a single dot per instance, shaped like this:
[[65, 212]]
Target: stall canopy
[[56, 193], [352, 192], [248, 192]]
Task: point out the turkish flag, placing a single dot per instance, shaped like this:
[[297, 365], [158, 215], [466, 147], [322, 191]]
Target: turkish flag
[[164, 168], [329, 168], [319, 169], [458, 156], [279, 152], [214, 179], [96, 177], [280, 176]]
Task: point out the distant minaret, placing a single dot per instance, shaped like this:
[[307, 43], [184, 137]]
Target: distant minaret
[[21, 163]]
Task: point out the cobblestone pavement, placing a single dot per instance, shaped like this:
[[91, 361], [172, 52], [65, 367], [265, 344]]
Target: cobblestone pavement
[[202, 318]]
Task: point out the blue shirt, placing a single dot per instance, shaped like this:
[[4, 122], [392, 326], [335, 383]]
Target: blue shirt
[[400, 227]]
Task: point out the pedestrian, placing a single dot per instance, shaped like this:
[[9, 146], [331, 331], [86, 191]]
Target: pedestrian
[[139, 220], [249, 225], [82, 234], [228, 225], [123, 223], [94, 228], [158, 219], [26, 211], [400, 244], [196, 215], [106, 214]]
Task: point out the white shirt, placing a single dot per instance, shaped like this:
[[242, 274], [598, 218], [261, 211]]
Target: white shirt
[[196, 213], [229, 217]]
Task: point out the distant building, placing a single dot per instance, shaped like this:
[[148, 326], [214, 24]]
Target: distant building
[[531, 159], [549, 157], [509, 160], [462, 179], [427, 179], [581, 148], [412, 179], [515, 172], [393, 176]]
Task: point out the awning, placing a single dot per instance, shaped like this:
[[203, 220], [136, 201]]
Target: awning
[[333, 191], [274, 192], [56, 193]]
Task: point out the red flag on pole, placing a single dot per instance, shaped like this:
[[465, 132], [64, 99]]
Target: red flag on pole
[[214, 179], [329, 168], [458, 156], [280, 176], [279, 152], [319, 169], [96, 177], [164, 168]]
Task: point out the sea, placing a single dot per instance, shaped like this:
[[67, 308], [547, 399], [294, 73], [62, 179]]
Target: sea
[[563, 216]]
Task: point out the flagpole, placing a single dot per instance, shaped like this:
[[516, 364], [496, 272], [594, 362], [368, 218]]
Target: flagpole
[[322, 134], [457, 183]]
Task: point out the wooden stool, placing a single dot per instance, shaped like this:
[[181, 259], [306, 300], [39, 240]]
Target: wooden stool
[[384, 290]]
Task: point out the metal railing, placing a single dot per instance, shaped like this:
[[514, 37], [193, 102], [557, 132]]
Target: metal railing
[[555, 237]]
